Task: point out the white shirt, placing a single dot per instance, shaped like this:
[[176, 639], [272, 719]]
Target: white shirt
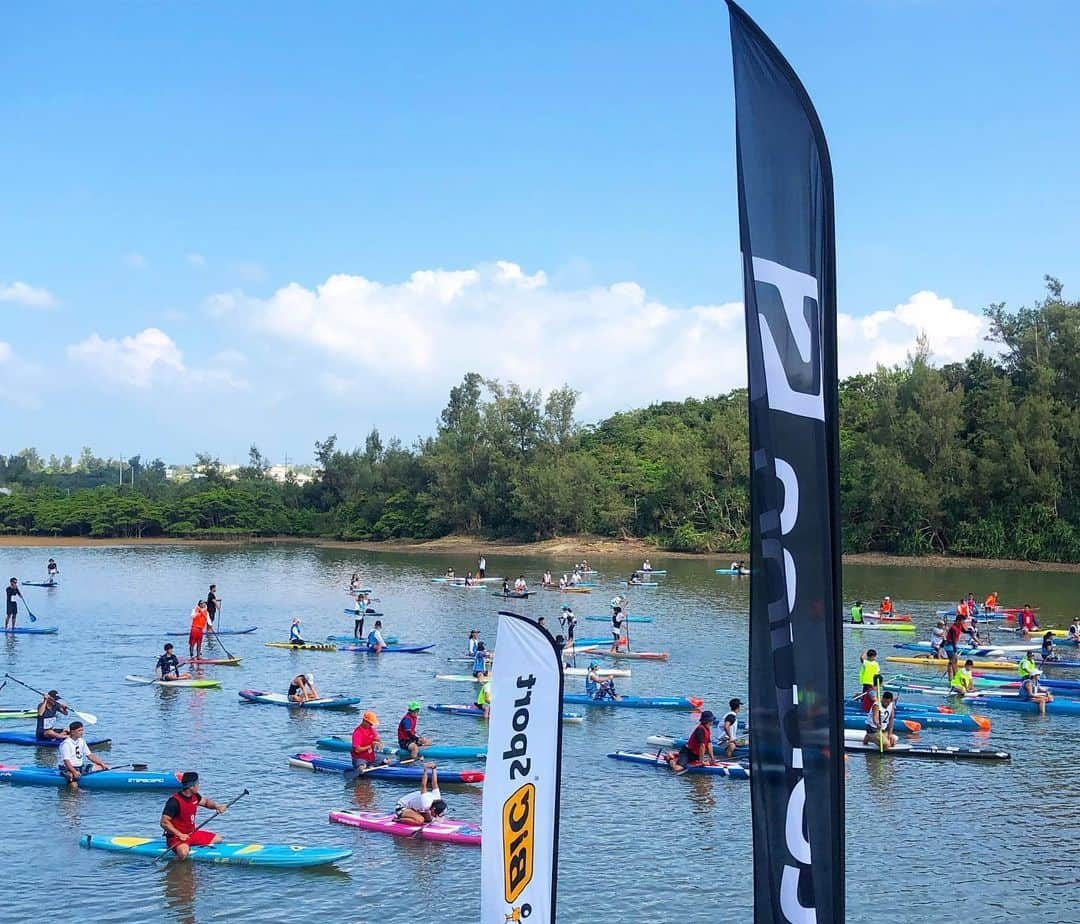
[[378, 636], [78, 752], [419, 801]]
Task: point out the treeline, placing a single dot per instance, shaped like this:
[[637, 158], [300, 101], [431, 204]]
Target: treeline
[[976, 458]]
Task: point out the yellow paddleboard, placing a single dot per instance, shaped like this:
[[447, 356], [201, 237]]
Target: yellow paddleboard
[[942, 662]]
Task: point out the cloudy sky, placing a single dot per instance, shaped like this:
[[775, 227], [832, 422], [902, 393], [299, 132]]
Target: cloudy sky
[[222, 228]]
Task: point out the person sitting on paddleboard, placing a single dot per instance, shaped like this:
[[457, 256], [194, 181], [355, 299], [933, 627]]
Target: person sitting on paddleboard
[[856, 614], [886, 607], [937, 640], [47, 709], [1074, 630], [408, 738], [520, 586], [425, 804], [634, 578], [991, 602], [302, 688], [598, 687], [213, 604], [375, 637], [1030, 689], [12, 610], [178, 817], [546, 581], [168, 666], [971, 630], [469, 579], [879, 722], [75, 757], [199, 619], [1026, 621], [729, 733], [963, 682], [479, 666], [451, 574], [295, 638], [366, 743], [698, 749], [483, 699], [1048, 652], [52, 569]]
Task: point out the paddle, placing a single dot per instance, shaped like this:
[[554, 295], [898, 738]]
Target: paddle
[[139, 768], [218, 638], [203, 825], [88, 717], [351, 775], [29, 612]]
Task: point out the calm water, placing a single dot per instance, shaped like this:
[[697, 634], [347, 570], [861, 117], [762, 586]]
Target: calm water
[[635, 842]]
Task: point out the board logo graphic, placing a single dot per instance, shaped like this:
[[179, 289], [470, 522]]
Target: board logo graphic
[[519, 825]]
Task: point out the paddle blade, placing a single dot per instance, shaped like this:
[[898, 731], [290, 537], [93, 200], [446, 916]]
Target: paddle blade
[[88, 717]]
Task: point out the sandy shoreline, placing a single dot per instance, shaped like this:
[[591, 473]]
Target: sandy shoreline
[[570, 546]]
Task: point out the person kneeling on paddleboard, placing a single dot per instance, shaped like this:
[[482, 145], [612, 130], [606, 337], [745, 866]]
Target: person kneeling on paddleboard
[[425, 804], [1048, 652], [597, 687], [366, 743], [168, 666], [729, 734], [937, 640], [302, 688], [295, 638], [408, 738], [178, 817], [698, 749], [963, 682], [483, 699], [76, 758], [879, 722]]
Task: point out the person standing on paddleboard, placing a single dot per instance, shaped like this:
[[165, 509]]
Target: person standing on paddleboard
[[52, 569], [213, 604], [168, 666], [568, 621], [366, 743], [479, 667], [408, 732], [75, 756], [178, 818], [698, 749], [199, 619], [869, 671], [12, 591], [481, 567], [47, 709], [425, 804]]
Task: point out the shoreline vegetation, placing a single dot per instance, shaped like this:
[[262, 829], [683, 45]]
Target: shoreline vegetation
[[972, 460], [572, 547]]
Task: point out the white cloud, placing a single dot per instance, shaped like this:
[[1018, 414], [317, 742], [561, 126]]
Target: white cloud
[[134, 259], [150, 357], [22, 294], [197, 260], [888, 337], [408, 342]]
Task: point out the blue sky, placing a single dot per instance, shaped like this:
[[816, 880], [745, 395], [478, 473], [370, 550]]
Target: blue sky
[[173, 170]]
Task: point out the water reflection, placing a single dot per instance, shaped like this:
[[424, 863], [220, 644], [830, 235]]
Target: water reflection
[[181, 882]]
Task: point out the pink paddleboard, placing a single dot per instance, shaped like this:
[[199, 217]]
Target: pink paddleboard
[[445, 829]]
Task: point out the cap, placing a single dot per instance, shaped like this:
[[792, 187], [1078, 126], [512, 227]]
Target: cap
[[54, 694], [371, 718], [707, 718], [594, 664], [190, 778], [1036, 673], [566, 606], [414, 706]]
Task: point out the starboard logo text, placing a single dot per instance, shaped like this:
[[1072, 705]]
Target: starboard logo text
[[519, 810]]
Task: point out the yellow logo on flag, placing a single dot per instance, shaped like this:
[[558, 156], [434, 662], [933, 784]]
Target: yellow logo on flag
[[518, 829]]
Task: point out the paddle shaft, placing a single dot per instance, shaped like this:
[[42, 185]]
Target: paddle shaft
[[29, 612], [218, 638], [351, 775], [228, 805], [87, 717]]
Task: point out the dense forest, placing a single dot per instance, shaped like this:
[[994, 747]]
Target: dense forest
[[978, 458]]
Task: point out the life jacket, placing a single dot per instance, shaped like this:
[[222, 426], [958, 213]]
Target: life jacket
[[185, 821]]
